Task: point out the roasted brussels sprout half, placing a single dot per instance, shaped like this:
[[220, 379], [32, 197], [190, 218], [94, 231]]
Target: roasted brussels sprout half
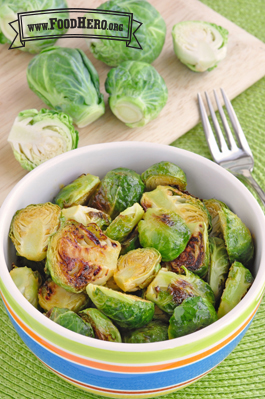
[[131, 242], [103, 327], [165, 231], [193, 314], [31, 228], [78, 255], [164, 174], [78, 192], [214, 206], [237, 284], [169, 289], [124, 223], [85, 215], [52, 295], [137, 269], [127, 311], [70, 320], [120, 189], [28, 283], [199, 45], [219, 266], [154, 331]]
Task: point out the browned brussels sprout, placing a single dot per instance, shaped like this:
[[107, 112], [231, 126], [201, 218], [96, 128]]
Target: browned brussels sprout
[[31, 228], [103, 327], [78, 255], [164, 174], [154, 331], [78, 192], [52, 295], [70, 320], [120, 189], [85, 215], [28, 283]]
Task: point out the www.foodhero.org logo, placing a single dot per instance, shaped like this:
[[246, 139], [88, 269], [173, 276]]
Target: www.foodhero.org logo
[[96, 24]]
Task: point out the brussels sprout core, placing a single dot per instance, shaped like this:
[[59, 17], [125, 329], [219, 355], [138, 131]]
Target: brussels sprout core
[[127, 111]]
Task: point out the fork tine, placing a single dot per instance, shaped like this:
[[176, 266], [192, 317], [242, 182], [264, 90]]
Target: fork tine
[[208, 131], [220, 136], [229, 135], [236, 125]]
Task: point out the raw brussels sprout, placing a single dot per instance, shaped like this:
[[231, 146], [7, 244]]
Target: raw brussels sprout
[[127, 311], [8, 13], [193, 314], [154, 331], [119, 189], [131, 242], [66, 80], [31, 228], [37, 136], [164, 174], [219, 266], [103, 328], [151, 34], [137, 269], [124, 223], [86, 215], [199, 45], [165, 231], [78, 255], [52, 295], [214, 206], [169, 289], [78, 192], [28, 283], [70, 320], [137, 93], [237, 284], [238, 240]]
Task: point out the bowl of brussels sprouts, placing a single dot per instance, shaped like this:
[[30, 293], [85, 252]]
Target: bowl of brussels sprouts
[[131, 269]]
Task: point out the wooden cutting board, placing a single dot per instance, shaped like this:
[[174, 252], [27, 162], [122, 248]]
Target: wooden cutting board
[[243, 66]]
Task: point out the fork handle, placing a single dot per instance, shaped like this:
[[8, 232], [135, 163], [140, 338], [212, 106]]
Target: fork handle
[[246, 176]]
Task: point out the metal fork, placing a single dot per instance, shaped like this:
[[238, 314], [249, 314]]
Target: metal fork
[[238, 160]]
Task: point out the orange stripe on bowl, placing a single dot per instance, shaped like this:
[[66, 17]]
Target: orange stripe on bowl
[[127, 369]]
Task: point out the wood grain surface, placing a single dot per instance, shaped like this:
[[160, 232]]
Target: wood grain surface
[[243, 66]]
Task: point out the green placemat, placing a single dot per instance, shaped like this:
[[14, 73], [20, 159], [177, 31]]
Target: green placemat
[[242, 374]]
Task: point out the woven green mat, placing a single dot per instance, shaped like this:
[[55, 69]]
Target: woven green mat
[[242, 374]]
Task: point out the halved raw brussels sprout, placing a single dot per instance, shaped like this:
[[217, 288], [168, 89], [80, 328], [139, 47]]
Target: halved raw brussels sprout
[[120, 189], [154, 331], [237, 284], [192, 315], [199, 45], [127, 311], [52, 295], [137, 269], [31, 228], [165, 231], [78, 255], [219, 266], [70, 320], [125, 222], [164, 174], [78, 192], [28, 283], [169, 289], [85, 215], [103, 327]]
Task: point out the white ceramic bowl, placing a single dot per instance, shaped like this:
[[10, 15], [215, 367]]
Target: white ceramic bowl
[[130, 370]]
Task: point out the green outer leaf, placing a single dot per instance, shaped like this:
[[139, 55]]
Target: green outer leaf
[[103, 327], [238, 282], [192, 315], [66, 80], [127, 311], [138, 84], [165, 231], [154, 331], [70, 320], [164, 173], [120, 189], [151, 34]]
